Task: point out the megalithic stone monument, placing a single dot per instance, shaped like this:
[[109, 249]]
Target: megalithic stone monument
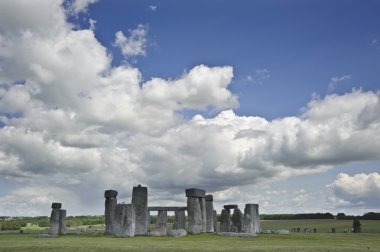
[[215, 220], [109, 213], [196, 210], [62, 222], [179, 220], [140, 203], [124, 224], [251, 219], [225, 218], [237, 220], [209, 214], [162, 219], [54, 218]]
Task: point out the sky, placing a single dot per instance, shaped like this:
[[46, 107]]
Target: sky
[[268, 102]]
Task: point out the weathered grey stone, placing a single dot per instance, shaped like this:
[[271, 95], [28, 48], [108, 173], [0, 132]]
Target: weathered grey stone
[[56, 205], [110, 194], [244, 235], [209, 214], [237, 220], [62, 222], [194, 213], [228, 207], [140, 204], [179, 220], [109, 212], [194, 192], [161, 231], [204, 214], [209, 197], [254, 225], [266, 232], [148, 220], [166, 208], [215, 220], [177, 232], [162, 219], [46, 236], [225, 221], [281, 232], [124, 220], [54, 218], [247, 223]]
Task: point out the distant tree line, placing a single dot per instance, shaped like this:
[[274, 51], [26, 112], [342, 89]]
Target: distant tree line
[[296, 216], [366, 216]]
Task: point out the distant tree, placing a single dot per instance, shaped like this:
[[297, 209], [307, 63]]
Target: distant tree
[[340, 216], [356, 225]]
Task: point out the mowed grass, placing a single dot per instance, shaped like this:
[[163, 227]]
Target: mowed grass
[[321, 241]]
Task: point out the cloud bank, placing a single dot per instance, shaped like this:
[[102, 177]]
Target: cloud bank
[[74, 125]]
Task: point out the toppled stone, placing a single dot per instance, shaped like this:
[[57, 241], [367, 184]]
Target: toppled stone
[[177, 232], [161, 231], [46, 236], [266, 232], [244, 235], [194, 192], [228, 207], [281, 232]]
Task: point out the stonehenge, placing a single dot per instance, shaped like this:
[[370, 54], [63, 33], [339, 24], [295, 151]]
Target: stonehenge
[[131, 219], [57, 219]]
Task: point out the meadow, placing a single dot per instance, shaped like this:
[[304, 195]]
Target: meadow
[[369, 240]]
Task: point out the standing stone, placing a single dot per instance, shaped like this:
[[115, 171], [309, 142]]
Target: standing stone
[[215, 220], [179, 220], [252, 219], [124, 222], [54, 218], [209, 214], [237, 220], [140, 203], [162, 219], [225, 221], [62, 222], [196, 210], [109, 212], [147, 219]]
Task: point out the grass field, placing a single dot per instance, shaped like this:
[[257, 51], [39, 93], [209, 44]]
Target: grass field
[[321, 241]]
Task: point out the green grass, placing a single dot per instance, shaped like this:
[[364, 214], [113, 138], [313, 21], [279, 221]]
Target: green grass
[[202, 242], [321, 241]]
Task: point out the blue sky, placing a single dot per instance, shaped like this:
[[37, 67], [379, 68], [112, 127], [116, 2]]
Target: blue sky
[[269, 102]]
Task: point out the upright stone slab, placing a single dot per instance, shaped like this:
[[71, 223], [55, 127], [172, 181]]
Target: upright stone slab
[[54, 218], [225, 221], [215, 220], [252, 219], [209, 214], [109, 212], [237, 220], [124, 221], [62, 222], [196, 210], [179, 220], [140, 203], [162, 219]]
